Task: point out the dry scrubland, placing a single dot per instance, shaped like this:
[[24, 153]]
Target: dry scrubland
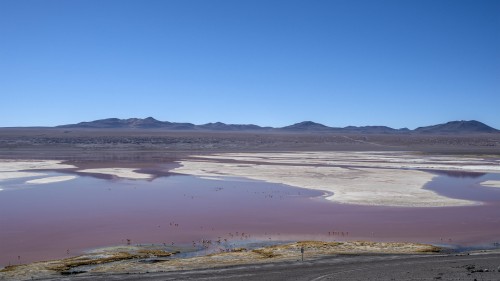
[[151, 145]]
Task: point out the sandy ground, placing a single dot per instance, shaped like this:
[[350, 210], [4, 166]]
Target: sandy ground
[[127, 259], [51, 179], [362, 178]]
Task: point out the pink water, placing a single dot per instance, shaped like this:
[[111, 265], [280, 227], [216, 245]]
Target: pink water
[[46, 221]]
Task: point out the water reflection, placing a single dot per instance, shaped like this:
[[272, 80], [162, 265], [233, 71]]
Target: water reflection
[[466, 187], [457, 174]]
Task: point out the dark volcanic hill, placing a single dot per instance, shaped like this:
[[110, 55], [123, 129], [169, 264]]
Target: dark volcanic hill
[[454, 127], [131, 123], [307, 126], [219, 126], [151, 123], [374, 130], [457, 127]]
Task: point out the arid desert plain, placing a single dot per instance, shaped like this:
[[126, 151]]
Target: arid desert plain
[[94, 201]]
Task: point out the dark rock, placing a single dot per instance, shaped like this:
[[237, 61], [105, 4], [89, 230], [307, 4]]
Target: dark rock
[[470, 267]]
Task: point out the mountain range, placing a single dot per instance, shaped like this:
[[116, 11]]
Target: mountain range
[[453, 127]]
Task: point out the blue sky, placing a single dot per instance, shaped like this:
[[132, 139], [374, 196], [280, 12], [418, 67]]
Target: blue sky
[[338, 62]]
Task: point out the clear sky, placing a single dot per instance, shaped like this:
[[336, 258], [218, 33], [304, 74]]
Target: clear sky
[[401, 63]]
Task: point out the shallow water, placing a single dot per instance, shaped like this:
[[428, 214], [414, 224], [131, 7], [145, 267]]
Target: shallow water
[[466, 186], [39, 222]]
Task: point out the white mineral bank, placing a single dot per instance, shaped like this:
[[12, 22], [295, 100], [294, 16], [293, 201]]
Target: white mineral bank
[[51, 179], [127, 173], [18, 165], [18, 175], [362, 178], [491, 183], [13, 169]]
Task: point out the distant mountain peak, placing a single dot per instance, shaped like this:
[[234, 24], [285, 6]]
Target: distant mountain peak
[[219, 126], [462, 126], [308, 123], [130, 123], [452, 127], [307, 126]]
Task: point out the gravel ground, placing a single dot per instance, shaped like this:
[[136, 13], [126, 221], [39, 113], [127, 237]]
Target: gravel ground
[[482, 266]]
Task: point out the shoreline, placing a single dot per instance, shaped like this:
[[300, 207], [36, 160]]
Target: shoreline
[[158, 258]]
